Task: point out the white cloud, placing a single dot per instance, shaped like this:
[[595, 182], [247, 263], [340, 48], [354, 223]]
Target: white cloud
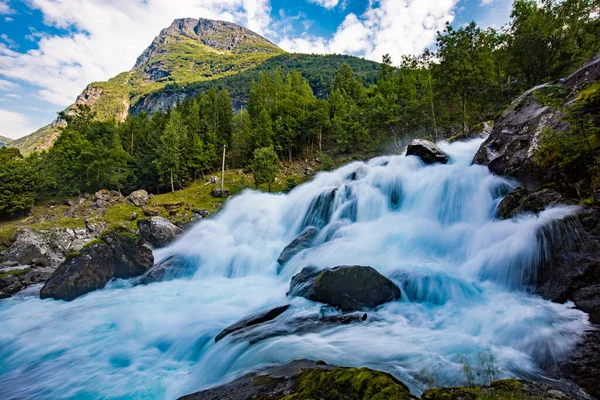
[[5, 8], [396, 27], [7, 85], [8, 19], [486, 2], [326, 3], [14, 125], [109, 36]]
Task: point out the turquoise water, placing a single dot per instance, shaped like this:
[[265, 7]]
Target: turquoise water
[[431, 229]]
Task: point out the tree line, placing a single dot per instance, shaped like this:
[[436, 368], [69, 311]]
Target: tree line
[[472, 75]]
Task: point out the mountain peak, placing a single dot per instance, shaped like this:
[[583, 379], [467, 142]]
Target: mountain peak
[[218, 36]]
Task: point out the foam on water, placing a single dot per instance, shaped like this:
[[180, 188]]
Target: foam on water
[[464, 278]]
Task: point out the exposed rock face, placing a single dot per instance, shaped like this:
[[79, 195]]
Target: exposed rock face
[[350, 288], [252, 320], [117, 255], [158, 231], [139, 198], [218, 35], [427, 151], [305, 379], [302, 242], [89, 271], [521, 201], [511, 147]]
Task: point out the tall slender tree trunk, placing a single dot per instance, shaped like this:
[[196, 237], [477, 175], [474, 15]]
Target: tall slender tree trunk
[[320, 139], [172, 184], [432, 107], [290, 152], [223, 169], [464, 114]]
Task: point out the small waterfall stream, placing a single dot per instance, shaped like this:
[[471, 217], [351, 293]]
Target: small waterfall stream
[[431, 229]]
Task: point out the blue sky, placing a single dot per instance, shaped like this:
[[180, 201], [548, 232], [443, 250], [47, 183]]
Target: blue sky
[[51, 49]]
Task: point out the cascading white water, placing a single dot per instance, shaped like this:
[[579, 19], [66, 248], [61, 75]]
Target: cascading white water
[[431, 229]]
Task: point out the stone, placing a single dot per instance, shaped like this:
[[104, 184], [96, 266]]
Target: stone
[[221, 193], [171, 268], [252, 320], [133, 217], [139, 198], [350, 288], [150, 212], [117, 254], [103, 195], [520, 201], [504, 389], [158, 231], [427, 151], [302, 242], [304, 379]]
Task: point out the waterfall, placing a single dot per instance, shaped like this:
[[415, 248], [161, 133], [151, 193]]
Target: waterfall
[[465, 280]]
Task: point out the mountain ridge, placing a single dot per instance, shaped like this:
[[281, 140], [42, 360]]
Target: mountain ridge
[[188, 57]]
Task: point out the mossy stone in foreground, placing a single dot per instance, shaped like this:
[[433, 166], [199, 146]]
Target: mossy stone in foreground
[[349, 383], [505, 389]]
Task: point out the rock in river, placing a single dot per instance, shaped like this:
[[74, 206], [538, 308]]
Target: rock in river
[[158, 231], [427, 151], [350, 288]]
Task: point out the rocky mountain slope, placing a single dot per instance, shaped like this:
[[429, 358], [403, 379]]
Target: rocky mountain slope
[[4, 141], [191, 56]]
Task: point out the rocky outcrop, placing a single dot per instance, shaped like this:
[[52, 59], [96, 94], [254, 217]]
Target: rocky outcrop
[[158, 231], [117, 254], [305, 379], [427, 151], [302, 242], [506, 389], [511, 147], [521, 201], [139, 198], [350, 288], [252, 320]]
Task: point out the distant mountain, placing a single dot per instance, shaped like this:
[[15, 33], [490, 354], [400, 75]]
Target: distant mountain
[[191, 56], [4, 141]]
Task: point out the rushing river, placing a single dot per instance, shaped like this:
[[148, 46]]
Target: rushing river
[[429, 228]]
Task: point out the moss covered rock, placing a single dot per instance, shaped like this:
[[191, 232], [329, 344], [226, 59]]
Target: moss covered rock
[[303, 379], [505, 389]]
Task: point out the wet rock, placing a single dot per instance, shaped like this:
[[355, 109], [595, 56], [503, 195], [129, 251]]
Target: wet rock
[[202, 213], [171, 268], [427, 151], [92, 269], [139, 198], [158, 231], [583, 365], [14, 279], [302, 242], [521, 201], [117, 254], [350, 288], [505, 389], [303, 379], [252, 320]]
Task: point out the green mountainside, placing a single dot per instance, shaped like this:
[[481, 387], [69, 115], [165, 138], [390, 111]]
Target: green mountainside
[[5, 141], [189, 57]]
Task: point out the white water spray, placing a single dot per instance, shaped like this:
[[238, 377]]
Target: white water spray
[[431, 229]]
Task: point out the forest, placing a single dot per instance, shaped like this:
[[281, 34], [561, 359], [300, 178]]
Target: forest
[[470, 77]]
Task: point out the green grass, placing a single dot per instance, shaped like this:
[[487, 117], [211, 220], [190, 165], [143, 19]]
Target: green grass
[[15, 273]]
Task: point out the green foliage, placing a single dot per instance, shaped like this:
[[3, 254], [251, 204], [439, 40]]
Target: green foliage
[[18, 184], [326, 162], [349, 383], [265, 166], [15, 273]]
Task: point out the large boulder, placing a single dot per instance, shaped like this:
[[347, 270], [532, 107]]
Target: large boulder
[[117, 254], [90, 270], [505, 389], [139, 198], [30, 248], [427, 151], [304, 379], [350, 288], [511, 147], [302, 242], [252, 320], [158, 231]]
